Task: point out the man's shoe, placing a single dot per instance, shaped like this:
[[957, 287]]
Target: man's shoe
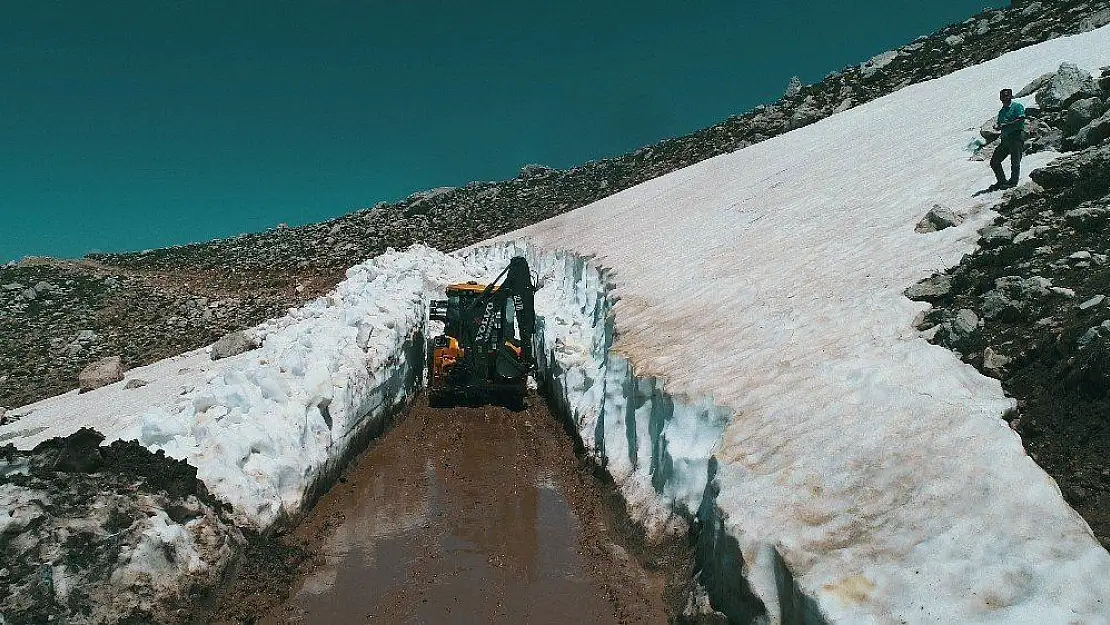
[[1001, 184], [1009, 184]]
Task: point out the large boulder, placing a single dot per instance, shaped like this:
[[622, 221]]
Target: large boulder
[[938, 218], [1034, 86], [1093, 133], [1082, 112], [101, 373], [1068, 84], [1071, 170], [988, 131], [232, 344]]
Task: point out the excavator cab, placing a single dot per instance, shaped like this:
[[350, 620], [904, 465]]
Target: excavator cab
[[485, 350]]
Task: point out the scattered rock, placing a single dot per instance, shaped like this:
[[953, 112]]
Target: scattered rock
[[1062, 292], [877, 62], [793, 88], [1069, 170], [1012, 297], [1089, 336], [135, 383], [938, 218], [995, 235], [1094, 20], [1019, 194], [1082, 112], [1093, 133], [930, 288], [232, 344], [101, 373], [994, 361], [1040, 136], [1091, 303], [965, 322], [1028, 235], [534, 170]]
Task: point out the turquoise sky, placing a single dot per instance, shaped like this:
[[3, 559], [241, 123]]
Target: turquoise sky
[[132, 124]]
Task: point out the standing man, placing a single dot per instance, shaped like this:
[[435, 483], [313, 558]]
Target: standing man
[[1011, 121]]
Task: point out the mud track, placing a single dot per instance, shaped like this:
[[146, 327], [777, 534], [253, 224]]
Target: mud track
[[468, 514]]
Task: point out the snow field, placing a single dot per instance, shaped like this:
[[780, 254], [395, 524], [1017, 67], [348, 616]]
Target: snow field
[[864, 475]]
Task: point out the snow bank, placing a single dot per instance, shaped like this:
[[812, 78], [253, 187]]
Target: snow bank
[[267, 428]]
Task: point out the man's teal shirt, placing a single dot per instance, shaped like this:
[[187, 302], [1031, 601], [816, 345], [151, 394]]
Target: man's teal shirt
[[1009, 114]]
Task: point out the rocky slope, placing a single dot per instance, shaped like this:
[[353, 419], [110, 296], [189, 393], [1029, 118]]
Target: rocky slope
[[1031, 307], [56, 317]]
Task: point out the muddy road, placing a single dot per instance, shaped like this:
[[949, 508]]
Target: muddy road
[[474, 514]]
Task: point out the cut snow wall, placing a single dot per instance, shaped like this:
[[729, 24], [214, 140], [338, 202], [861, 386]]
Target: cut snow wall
[[658, 448], [270, 433]]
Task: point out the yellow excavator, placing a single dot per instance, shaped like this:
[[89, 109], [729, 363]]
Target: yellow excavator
[[485, 351]]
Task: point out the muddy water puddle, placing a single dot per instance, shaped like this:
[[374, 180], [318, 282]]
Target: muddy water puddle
[[467, 515]]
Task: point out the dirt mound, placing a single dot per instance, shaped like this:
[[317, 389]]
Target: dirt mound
[[115, 534]]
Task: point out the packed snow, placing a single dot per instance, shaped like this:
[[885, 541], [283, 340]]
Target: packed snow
[[733, 343]]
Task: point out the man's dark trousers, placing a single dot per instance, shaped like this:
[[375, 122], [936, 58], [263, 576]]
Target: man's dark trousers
[[1011, 146]]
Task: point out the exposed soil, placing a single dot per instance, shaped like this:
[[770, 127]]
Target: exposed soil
[[466, 514], [76, 519]]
